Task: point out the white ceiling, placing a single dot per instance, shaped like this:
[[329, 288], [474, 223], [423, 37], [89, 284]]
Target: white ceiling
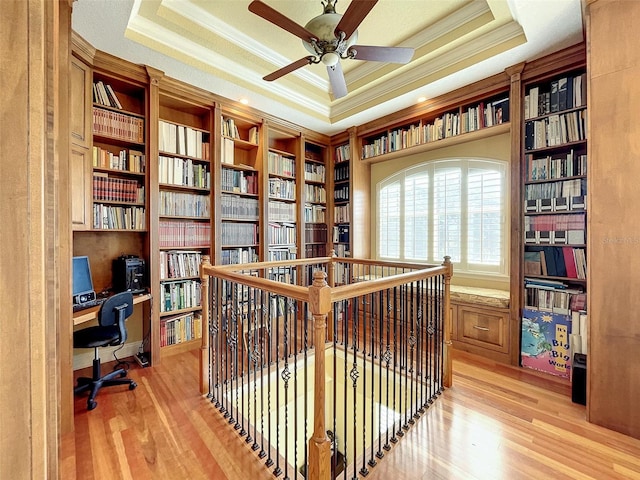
[[222, 47]]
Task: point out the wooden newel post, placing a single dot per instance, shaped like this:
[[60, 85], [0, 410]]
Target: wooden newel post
[[319, 444], [448, 326], [204, 345]]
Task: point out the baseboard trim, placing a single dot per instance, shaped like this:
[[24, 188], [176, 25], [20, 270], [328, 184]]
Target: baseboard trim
[[85, 359]]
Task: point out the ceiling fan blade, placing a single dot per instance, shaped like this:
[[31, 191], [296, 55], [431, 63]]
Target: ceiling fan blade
[[382, 54], [288, 69], [265, 11], [352, 18], [338, 83]]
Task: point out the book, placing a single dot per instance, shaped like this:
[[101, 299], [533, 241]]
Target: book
[[545, 342]]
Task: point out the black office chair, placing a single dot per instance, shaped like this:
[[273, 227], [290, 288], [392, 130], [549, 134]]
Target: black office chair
[[111, 330]]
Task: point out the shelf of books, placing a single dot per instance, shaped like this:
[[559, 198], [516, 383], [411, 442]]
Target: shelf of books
[[119, 178], [341, 207], [457, 123], [282, 221], [555, 222], [184, 218], [315, 201], [240, 190]]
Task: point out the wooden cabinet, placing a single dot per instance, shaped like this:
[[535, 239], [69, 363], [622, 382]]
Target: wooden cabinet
[[481, 330]]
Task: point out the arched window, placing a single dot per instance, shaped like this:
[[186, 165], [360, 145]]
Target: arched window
[[454, 207]]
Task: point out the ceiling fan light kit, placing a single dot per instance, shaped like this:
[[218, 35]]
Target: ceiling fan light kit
[[330, 37]]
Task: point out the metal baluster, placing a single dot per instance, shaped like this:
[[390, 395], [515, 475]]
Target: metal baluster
[[354, 374], [381, 313], [306, 385], [244, 315], [394, 300], [277, 470], [364, 471], [403, 359], [270, 298], [264, 368], [387, 359], [412, 351]]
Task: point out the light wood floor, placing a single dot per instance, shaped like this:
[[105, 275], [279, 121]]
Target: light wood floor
[[496, 422]]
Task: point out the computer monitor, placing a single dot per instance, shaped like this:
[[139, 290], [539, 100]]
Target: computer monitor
[[82, 281]]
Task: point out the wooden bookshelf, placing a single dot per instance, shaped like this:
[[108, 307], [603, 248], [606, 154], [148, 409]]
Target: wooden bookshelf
[[314, 201], [183, 212], [554, 221], [240, 168]]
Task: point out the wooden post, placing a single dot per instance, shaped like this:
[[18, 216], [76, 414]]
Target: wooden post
[[204, 345], [448, 344], [319, 444]]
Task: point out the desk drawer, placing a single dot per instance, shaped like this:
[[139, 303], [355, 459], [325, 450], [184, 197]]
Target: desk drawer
[[486, 328]]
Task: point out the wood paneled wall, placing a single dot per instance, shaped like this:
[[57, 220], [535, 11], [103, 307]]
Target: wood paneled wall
[[35, 233], [613, 362]]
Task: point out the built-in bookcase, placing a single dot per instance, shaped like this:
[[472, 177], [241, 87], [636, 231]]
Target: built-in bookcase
[[119, 179], [281, 196], [240, 165], [184, 213], [409, 135], [341, 200], [314, 193], [554, 186]]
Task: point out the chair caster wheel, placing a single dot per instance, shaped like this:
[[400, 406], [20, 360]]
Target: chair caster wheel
[[91, 404], [132, 385]]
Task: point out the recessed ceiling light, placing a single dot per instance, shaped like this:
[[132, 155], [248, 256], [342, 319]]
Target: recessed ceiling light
[[244, 101], [422, 99]]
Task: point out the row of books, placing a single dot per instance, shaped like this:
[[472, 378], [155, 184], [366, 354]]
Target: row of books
[[176, 233], [555, 130], [315, 233], [235, 256], [572, 203], [113, 217], [180, 204], [183, 140], [125, 160], [104, 94], [281, 211], [184, 172], [448, 125], [227, 151], [341, 234], [341, 173], [239, 181], [314, 172], [315, 213], [341, 193], [179, 264], [341, 214], [230, 130], [281, 165], [315, 250], [239, 208], [281, 234], [341, 250], [552, 300], [554, 237], [555, 166], [562, 261], [239, 234], [565, 188], [579, 332], [115, 189], [315, 193], [277, 254], [555, 222], [343, 153], [180, 294], [180, 328], [118, 125], [281, 188], [561, 94]]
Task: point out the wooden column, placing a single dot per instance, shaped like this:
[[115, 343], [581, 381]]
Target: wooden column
[[204, 346], [515, 259], [448, 327], [35, 234], [319, 444]]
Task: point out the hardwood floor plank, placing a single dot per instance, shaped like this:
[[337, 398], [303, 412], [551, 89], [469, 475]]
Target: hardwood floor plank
[[496, 423]]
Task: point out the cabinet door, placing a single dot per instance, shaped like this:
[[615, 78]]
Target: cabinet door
[[81, 177], [486, 328], [81, 99]]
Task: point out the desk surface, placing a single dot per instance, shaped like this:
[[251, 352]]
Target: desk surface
[[89, 314]]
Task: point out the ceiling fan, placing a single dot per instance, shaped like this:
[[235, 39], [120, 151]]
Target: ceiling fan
[[330, 37]]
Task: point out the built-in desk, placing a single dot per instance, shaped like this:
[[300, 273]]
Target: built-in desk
[[89, 314]]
